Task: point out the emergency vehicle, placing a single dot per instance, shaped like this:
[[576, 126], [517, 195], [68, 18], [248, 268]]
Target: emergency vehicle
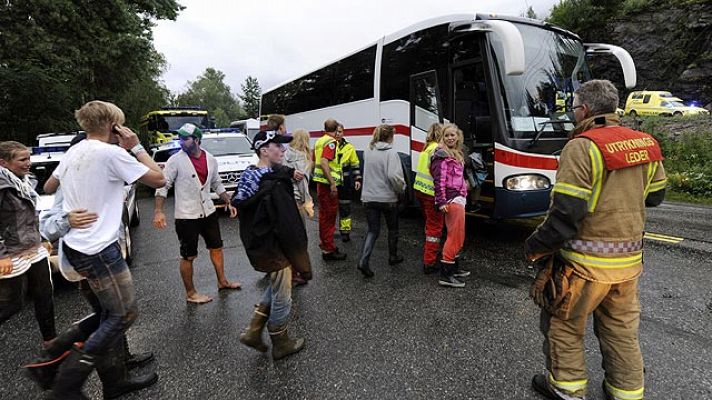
[[160, 126]]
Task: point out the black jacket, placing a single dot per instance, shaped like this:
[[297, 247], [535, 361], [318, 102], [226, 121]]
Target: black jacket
[[271, 228]]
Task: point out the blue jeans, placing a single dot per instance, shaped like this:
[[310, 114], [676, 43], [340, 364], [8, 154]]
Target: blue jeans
[[110, 280], [279, 297]]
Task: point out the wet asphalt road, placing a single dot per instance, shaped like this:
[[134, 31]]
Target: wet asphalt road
[[397, 335]]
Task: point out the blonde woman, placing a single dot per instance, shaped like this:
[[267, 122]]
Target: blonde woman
[[299, 157], [383, 181], [448, 171]]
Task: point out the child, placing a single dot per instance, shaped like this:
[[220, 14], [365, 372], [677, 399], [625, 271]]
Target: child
[[447, 169], [272, 231]]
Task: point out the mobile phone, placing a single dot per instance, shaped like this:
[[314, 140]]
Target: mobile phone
[[115, 129]]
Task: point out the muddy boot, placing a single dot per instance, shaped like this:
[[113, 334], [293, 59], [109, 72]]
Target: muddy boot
[[252, 335], [135, 360], [74, 371], [115, 376], [282, 345], [44, 368]]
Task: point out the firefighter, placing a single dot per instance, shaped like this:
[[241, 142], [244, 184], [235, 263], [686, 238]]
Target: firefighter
[[589, 248], [351, 180], [327, 175], [425, 193]]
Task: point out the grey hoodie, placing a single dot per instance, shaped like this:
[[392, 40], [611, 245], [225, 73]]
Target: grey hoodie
[[383, 177]]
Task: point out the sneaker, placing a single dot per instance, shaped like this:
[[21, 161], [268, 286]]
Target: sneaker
[[335, 255], [395, 260], [451, 281], [460, 273], [430, 269]]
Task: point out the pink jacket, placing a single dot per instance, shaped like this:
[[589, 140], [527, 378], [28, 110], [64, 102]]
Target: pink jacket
[[448, 177]]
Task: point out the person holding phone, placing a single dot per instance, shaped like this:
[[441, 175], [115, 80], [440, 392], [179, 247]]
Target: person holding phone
[[93, 174]]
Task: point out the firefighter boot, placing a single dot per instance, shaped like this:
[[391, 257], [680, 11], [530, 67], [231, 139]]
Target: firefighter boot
[[542, 386], [114, 374], [282, 345], [74, 371], [252, 335]]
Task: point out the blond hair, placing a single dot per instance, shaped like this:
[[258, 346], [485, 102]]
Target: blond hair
[[456, 151], [435, 133], [9, 149], [300, 142], [94, 115], [382, 133]]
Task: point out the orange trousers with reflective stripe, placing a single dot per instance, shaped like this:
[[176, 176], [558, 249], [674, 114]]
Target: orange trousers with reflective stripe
[[616, 317], [433, 227]]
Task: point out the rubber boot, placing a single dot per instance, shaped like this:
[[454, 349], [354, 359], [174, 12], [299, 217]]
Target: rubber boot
[[447, 278], [366, 251], [252, 335], [459, 272], [74, 371], [43, 369], [393, 257], [135, 360], [541, 384], [282, 345], [115, 376]]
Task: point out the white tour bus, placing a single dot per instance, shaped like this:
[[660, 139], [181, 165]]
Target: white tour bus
[[506, 82]]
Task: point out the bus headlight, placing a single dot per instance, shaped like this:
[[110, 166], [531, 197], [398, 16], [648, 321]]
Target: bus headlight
[[527, 182]]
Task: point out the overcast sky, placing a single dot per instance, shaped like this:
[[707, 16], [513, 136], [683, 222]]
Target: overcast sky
[[277, 40]]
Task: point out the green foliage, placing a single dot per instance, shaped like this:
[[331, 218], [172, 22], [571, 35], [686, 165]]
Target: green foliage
[[211, 91], [530, 13], [687, 147], [56, 55], [250, 97], [588, 18]]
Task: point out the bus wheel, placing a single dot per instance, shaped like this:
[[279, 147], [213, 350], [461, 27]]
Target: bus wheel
[[677, 114]]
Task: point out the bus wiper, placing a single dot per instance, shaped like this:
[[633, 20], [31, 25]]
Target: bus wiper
[[543, 123]]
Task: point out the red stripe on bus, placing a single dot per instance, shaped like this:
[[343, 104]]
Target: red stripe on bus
[[525, 161], [416, 146], [365, 131]]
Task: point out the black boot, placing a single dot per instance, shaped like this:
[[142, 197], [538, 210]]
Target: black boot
[[135, 360], [459, 272], [393, 257], [74, 371], [447, 278], [282, 345], [44, 368], [368, 243], [541, 385], [115, 377]]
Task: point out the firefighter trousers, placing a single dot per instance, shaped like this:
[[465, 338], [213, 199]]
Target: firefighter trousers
[[616, 317], [434, 221]]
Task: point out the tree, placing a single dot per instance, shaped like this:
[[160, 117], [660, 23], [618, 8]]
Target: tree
[[592, 20], [250, 97], [211, 92], [56, 55], [530, 13]]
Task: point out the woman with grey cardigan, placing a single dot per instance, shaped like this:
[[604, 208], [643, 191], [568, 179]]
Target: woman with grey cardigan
[[383, 182]]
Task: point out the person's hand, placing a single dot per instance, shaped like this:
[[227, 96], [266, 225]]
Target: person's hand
[[127, 138], [81, 218], [298, 175], [334, 190], [48, 246], [357, 185], [233, 211], [444, 208], [159, 219], [5, 266]]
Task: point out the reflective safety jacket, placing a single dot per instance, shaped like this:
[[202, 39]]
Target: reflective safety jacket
[[606, 176], [349, 162], [423, 180], [334, 166]]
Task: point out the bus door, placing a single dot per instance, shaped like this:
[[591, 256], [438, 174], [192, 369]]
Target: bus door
[[472, 114], [425, 110]]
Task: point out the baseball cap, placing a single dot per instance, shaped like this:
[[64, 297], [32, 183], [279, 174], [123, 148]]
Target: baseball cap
[[190, 130], [263, 138]]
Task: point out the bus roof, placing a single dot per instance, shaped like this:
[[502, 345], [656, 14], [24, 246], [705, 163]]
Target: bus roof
[[429, 23]]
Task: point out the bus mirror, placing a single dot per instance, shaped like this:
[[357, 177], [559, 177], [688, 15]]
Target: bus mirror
[[627, 64], [511, 39]]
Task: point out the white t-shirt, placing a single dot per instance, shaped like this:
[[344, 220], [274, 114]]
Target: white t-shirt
[[92, 175]]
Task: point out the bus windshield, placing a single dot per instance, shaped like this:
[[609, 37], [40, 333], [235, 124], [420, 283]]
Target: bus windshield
[[543, 95]]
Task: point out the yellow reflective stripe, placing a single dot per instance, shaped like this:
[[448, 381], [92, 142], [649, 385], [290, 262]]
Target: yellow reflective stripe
[[572, 190], [569, 386], [597, 170], [657, 185], [652, 167], [588, 260], [625, 394]]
